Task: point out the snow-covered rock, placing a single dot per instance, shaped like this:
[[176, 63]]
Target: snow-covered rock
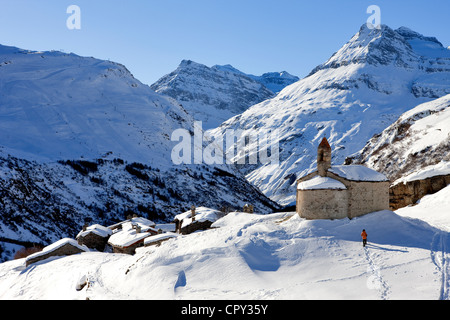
[[362, 89], [440, 169]]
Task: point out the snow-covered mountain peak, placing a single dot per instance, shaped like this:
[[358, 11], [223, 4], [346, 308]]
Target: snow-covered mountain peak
[[382, 46], [211, 95], [227, 68], [189, 64], [363, 88], [402, 48], [274, 81]]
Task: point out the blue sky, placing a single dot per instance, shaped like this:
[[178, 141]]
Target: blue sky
[[151, 37]]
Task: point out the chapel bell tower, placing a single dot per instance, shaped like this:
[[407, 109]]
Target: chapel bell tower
[[323, 157]]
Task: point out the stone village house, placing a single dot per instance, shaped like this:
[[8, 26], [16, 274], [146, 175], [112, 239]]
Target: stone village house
[[200, 218], [337, 192]]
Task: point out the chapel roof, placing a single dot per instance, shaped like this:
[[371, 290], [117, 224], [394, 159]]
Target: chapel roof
[[358, 173], [318, 183], [324, 143]]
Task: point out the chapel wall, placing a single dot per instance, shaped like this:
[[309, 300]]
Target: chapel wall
[[366, 197], [322, 204]]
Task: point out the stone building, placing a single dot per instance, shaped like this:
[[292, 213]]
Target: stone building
[[63, 247], [130, 235], [94, 237], [156, 240], [337, 192], [200, 218]]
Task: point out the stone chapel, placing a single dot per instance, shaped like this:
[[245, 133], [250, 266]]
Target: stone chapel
[[340, 191]]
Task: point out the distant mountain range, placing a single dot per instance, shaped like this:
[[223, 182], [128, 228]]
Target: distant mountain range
[[213, 95], [274, 81]]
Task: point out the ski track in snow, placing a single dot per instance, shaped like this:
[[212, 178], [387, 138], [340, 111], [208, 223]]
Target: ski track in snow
[[376, 280], [439, 256]]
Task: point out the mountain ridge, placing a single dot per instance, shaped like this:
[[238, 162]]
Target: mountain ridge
[[213, 95]]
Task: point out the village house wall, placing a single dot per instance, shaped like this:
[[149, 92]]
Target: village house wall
[[404, 194], [130, 249], [93, 241], [65, 250], [197, 225]]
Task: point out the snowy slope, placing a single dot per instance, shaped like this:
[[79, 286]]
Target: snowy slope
[[417, 145], [211, 95], [62, 106], [432, 209], [362, 89], [82, 138], [258, 257]]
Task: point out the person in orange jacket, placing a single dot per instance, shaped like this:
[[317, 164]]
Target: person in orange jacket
[[364, 237]]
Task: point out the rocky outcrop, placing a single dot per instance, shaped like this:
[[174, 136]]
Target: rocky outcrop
[[404, 194]]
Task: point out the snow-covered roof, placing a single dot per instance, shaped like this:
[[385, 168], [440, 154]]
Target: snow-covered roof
[[56, 245], [126, 238], [319, 182], [128, 235], [144, 223], [97, 229], [201, 214], [159, 237], [357, 173]]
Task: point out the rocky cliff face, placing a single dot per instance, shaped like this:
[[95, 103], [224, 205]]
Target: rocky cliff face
[[408, 193]]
